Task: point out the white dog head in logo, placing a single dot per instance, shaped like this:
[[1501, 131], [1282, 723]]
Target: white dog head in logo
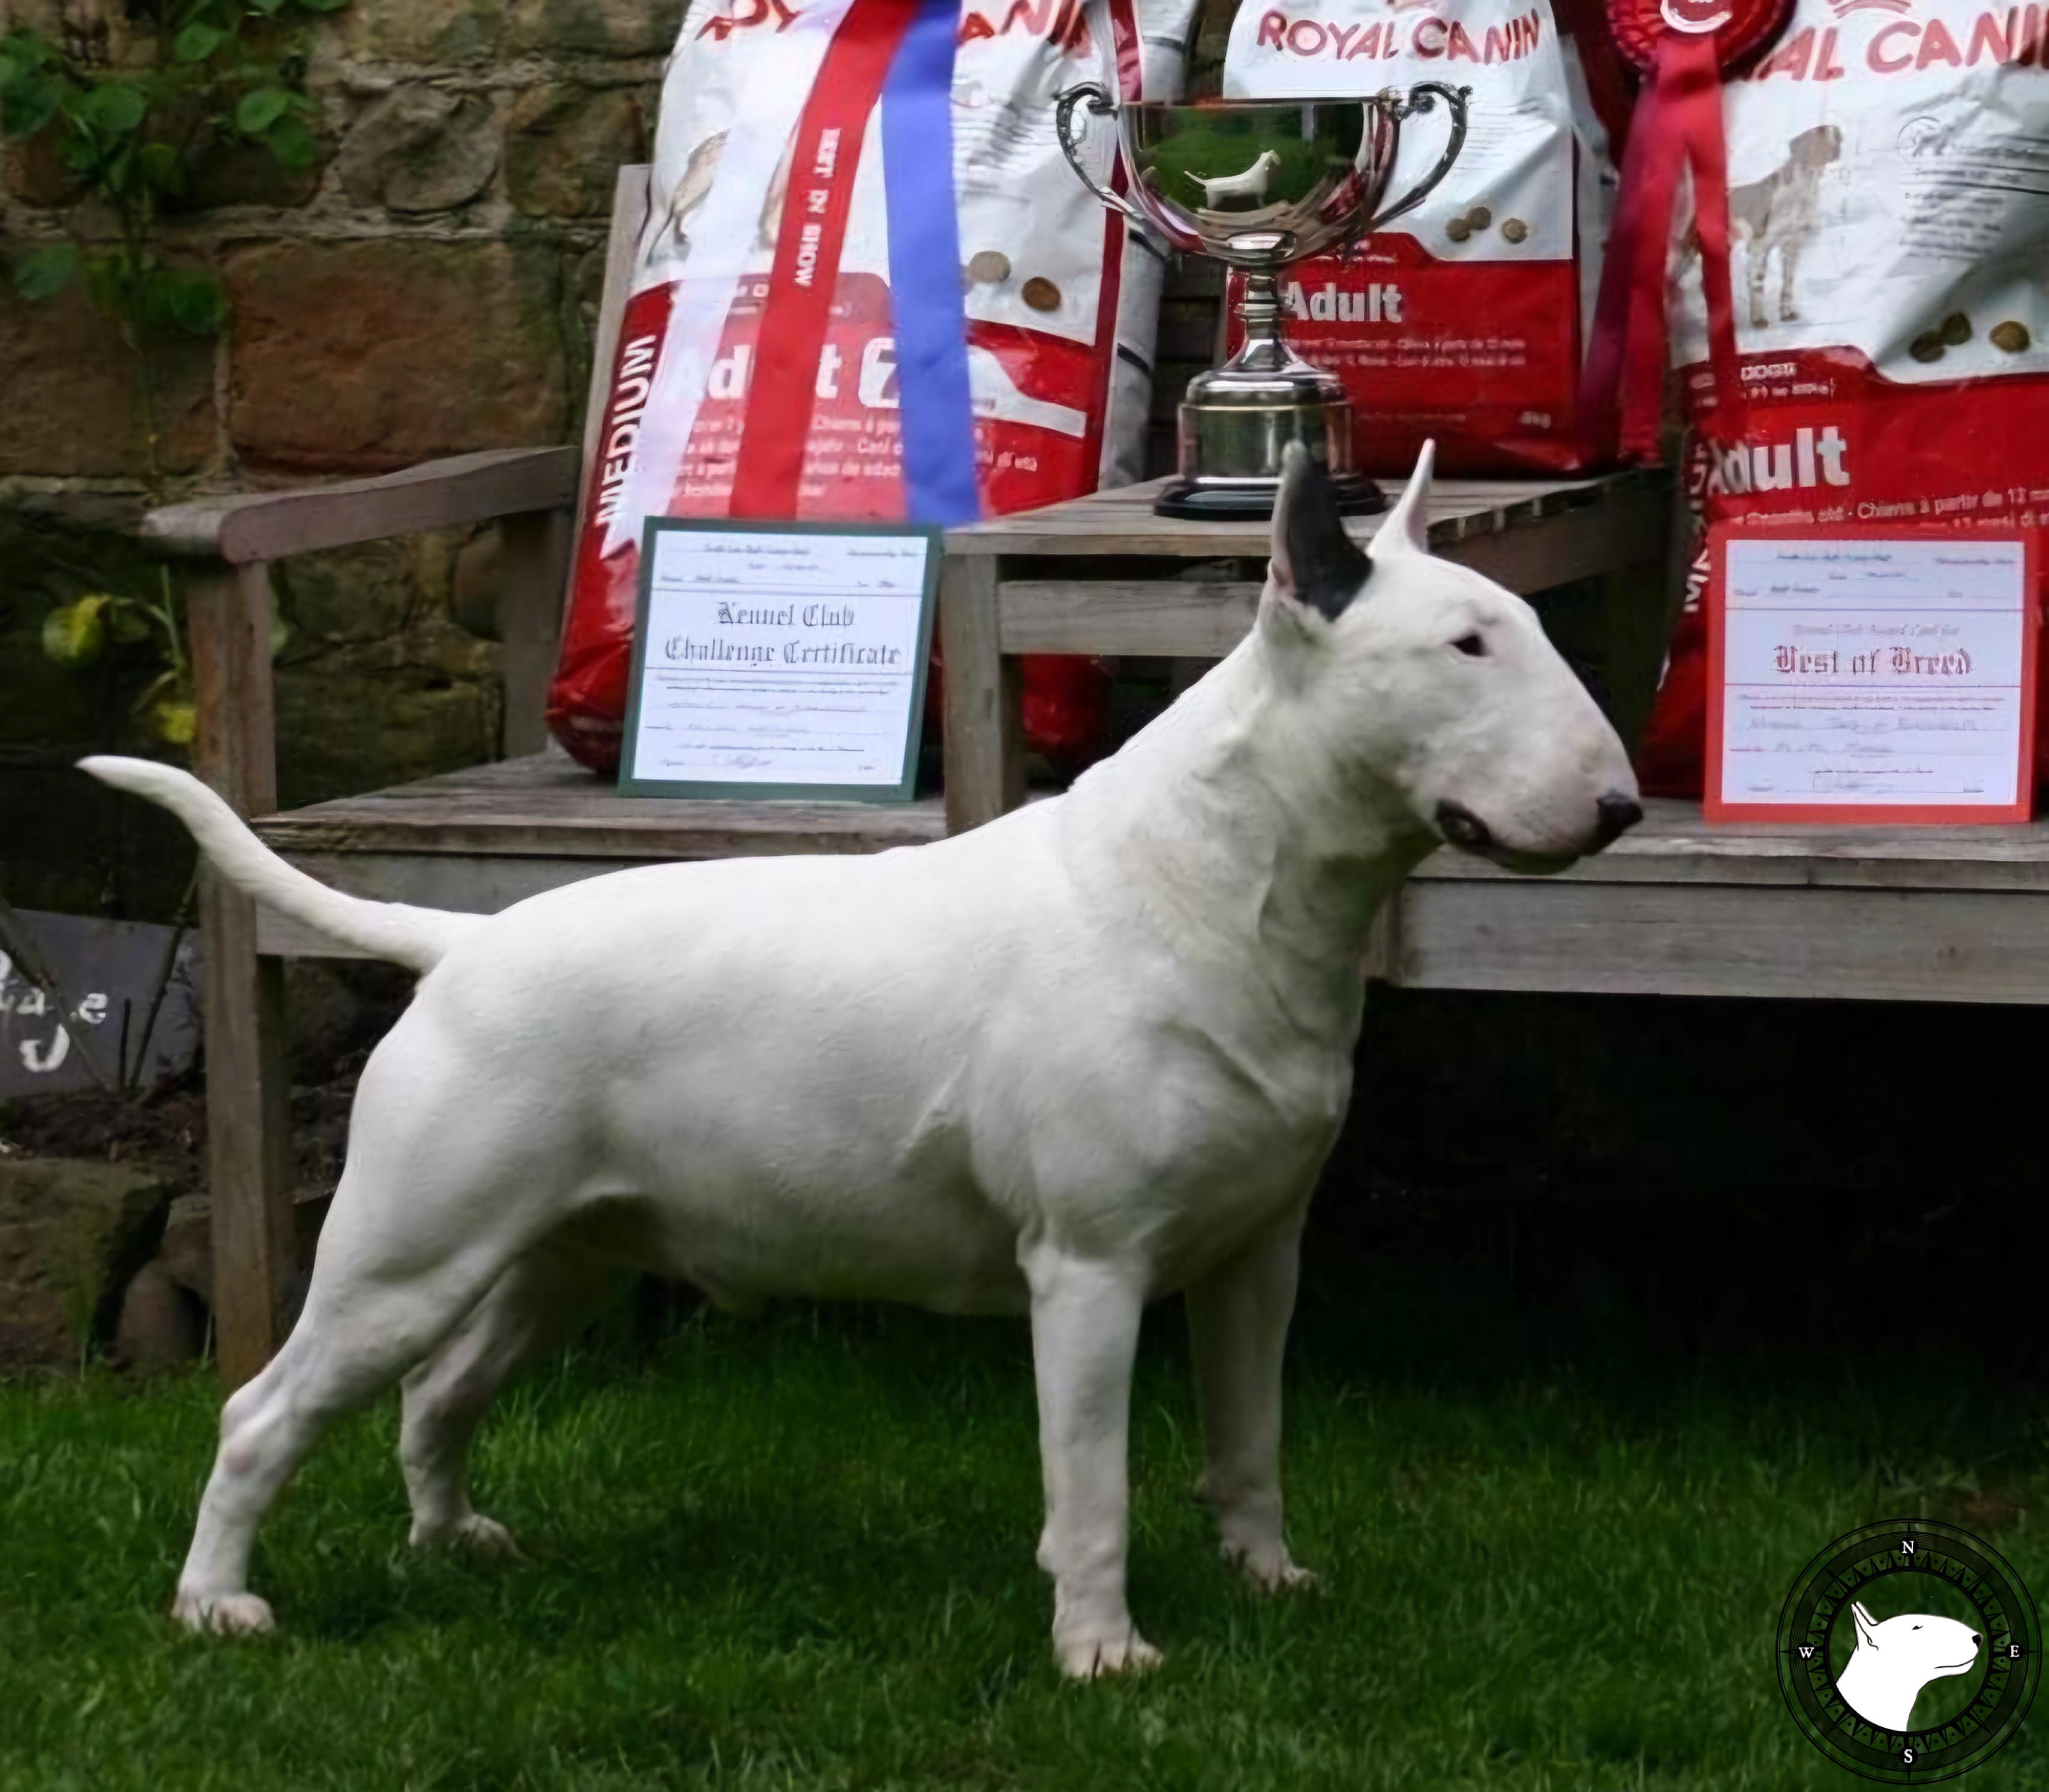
[[1429, 681], [1894, 1660]]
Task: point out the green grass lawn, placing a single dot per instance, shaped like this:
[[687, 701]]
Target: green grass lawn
[[797, 1553]]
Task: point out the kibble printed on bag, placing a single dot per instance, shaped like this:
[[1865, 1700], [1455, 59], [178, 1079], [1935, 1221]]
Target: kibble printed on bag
[[1889, 168]]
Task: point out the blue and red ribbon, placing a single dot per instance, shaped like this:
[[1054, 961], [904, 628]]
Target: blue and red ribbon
[[938, 411], [901, 52]]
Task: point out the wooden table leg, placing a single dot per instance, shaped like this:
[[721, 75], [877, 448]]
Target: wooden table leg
[[248, 1123], [984, 698]]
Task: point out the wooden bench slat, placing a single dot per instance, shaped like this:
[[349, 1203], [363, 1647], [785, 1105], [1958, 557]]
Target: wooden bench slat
[[1676, 846], [545, 806], [1671, 940]]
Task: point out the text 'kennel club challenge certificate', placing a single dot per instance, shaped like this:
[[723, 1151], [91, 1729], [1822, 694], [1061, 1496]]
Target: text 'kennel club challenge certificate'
[[781, 660], [1871, 678]]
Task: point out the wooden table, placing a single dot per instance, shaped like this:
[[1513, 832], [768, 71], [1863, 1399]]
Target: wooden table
[[1104, 575], [1675, 909]]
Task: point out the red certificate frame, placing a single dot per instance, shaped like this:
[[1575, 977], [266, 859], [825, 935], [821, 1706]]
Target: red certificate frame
[[1717, 808]]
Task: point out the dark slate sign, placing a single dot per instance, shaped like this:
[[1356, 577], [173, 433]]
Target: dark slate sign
[[105, 974]]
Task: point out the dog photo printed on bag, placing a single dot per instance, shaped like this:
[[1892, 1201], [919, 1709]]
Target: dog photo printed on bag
[[1888, 165]]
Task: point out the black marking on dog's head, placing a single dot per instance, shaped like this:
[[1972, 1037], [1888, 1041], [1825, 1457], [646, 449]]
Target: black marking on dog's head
[[1315, 562]]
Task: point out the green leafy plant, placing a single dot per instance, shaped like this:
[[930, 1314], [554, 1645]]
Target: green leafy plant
[[76, 634], [129, 135]]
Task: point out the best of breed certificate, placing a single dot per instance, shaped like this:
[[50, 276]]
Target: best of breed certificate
[[1871, 678], [781, 660]]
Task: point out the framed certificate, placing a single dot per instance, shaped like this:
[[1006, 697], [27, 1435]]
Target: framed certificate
[[780, 659], [1870, 675]]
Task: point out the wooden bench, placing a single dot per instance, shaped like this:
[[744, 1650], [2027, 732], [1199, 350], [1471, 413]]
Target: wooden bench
[[1676, 909]]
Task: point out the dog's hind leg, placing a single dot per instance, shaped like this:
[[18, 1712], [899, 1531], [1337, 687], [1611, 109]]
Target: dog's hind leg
[[532, 1308], [1237, 1322], [447, 1184], [361, 1331]]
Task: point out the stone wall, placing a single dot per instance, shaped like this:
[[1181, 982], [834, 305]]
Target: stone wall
[[429, 287]]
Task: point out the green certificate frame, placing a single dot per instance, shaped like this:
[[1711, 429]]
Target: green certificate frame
[[632, 782]]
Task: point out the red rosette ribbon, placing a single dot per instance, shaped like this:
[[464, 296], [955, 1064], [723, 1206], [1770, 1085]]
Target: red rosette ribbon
[[1683, 48]]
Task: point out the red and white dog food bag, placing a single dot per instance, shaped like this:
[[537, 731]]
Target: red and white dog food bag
[[1466, 320], [1888, 171], [1061, 302]]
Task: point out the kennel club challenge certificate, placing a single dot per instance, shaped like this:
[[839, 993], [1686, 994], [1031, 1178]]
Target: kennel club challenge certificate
[[1871, 678], [782, 660]]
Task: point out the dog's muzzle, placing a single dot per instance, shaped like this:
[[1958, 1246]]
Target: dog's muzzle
[[1615, 814]]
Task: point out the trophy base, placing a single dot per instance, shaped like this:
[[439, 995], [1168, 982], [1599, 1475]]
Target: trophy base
[[1237, 424], [1201, 501]]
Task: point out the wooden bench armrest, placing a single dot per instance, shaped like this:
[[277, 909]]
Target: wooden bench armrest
[[265, 525]]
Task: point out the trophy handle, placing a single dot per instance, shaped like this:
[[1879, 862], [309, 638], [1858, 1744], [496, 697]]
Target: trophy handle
[[1420, 99], [1102, 105]]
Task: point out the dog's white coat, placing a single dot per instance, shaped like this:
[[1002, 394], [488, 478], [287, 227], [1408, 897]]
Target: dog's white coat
[[1092, 1053], [1894, 1660]]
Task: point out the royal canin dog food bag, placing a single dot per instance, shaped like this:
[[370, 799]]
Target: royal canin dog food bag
[[1060, 301], [1466, 320], [1889, 162]]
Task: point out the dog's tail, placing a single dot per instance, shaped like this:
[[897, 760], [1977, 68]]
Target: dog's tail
[[416, 938]]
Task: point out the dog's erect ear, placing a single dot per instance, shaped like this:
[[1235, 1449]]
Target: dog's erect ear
[[1865, 1624], [1315, 562], [1405, 529]]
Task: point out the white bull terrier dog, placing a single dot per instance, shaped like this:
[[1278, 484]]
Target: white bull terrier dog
[[1894, 1660], [1093, 1053], [1250, 183]]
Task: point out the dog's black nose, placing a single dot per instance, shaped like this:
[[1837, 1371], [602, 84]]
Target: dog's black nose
[[1462, 827], [1976, 1638], [1619, 814]]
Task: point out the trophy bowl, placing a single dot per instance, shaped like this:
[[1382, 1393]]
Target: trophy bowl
[[1257, 183]]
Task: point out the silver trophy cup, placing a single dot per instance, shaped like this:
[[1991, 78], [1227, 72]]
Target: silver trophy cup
[[1258, 184]]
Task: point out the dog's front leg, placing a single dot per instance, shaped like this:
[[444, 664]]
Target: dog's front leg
[[1237, 1322], [1084, 1314]]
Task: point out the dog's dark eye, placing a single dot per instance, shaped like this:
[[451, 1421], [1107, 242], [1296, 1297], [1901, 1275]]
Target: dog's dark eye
[[1473, 646]]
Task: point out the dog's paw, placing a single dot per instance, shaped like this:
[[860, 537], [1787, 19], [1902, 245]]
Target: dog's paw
[[475, 1533], [224, 1613], [1272, 1571], [1091, 1657], [1283, 1577], [486, 1536]]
